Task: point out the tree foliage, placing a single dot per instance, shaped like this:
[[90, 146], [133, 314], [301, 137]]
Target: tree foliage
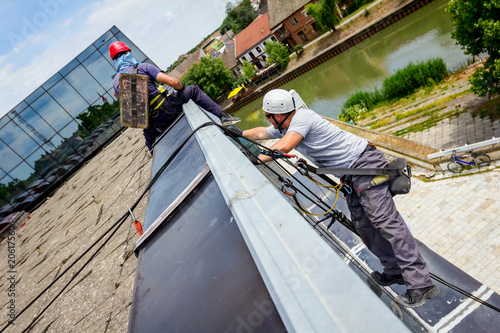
[[95, 116], [477, 30], [401, 84], [248, 71], [175, 64], [210, 74], [324, 14], [278, 53], [238, 17], [357, 4], [7, 190]]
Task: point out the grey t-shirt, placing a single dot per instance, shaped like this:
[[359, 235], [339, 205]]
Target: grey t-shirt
[[323, 143]]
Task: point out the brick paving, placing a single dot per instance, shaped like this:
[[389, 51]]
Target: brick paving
[[456, 132], [459, 218]]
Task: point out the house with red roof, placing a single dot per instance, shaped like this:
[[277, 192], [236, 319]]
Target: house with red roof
[[250, 42]]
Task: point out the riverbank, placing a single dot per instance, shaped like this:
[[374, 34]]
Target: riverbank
[[445, 116], [349, 33]]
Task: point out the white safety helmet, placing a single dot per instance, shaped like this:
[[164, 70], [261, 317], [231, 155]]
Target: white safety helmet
[[278, 101]]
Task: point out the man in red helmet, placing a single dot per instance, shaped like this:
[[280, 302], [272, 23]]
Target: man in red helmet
[[163, 109]]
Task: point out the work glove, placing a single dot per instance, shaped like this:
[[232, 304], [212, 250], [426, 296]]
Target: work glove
[[234, 132], [183, 86], [250, 156]]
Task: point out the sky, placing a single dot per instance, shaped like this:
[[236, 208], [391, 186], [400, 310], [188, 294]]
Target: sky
[[39, 37]]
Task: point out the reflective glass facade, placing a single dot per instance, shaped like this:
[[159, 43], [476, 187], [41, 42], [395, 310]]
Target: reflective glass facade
[[49, 134]]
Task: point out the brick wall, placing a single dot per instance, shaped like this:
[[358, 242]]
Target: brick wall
[[300, 27]]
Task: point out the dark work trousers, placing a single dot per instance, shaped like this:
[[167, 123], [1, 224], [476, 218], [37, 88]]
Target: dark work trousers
[[173, 107], [382, 228]]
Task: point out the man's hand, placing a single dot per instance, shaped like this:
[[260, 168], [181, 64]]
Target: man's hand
[[234, 132], [250, 156], [183, 86]]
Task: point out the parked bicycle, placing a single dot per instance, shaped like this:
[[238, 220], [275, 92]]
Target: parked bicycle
[[458, 163]]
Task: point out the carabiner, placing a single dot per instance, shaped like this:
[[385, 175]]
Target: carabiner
[[301, 166], [276, 153], [288, 184]]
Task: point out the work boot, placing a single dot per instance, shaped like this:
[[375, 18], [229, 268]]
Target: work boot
[[387, 279], [414, 298], [228, 120]]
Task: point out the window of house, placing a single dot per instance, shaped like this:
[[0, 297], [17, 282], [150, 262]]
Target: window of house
[[305, 13], [258, 49], [294, 21], [251, 55], [274, 39]]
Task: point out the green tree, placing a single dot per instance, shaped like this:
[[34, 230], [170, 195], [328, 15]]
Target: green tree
[[9, 190], [95, 116], [278, 53], [477, 30], [248, 71], [210, 74], [352, 112], [324, 14], [238, 17]]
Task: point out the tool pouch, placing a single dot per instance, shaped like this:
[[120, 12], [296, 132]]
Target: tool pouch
[[401, 183], [134, 110]]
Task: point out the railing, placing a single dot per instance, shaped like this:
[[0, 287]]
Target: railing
[[464, 148]]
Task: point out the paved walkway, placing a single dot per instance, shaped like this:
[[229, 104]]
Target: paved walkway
[[459, 218], [457, 132]]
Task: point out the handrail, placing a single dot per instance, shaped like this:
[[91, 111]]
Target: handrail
[[476, 145]]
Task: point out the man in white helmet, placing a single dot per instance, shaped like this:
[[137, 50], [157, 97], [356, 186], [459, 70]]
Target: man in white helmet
[[373, 212]]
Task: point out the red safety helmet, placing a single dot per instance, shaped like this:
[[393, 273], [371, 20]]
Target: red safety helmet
[[117, 47]]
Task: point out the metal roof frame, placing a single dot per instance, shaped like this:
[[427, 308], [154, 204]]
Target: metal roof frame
[[312, 288]]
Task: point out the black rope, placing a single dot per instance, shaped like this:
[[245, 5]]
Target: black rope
[[122, 220], [341, 218], [64, 272], [335, 214], [116, 225], [464, 292]]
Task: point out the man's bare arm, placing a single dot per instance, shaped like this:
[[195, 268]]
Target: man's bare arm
[[257, 133], [171, 81]]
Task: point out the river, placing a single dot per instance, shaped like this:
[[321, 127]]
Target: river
[[422, 35]]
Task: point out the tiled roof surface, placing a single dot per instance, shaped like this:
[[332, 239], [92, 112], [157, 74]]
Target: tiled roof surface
[[279, 10], [251, 35]]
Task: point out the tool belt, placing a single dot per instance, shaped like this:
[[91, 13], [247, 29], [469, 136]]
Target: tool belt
[[397, 173]]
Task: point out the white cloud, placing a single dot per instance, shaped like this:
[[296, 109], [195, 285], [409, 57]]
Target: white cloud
[[68, 22], [169, 16], [162, 37]]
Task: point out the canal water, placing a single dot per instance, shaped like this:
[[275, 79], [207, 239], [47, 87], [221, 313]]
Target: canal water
[[422, 35]]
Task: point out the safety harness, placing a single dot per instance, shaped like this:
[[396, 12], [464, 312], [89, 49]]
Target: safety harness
[[397, 173], [157, 102]]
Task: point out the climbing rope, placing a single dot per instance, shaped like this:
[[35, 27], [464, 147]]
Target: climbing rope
[[111, 231], [336, 215]]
